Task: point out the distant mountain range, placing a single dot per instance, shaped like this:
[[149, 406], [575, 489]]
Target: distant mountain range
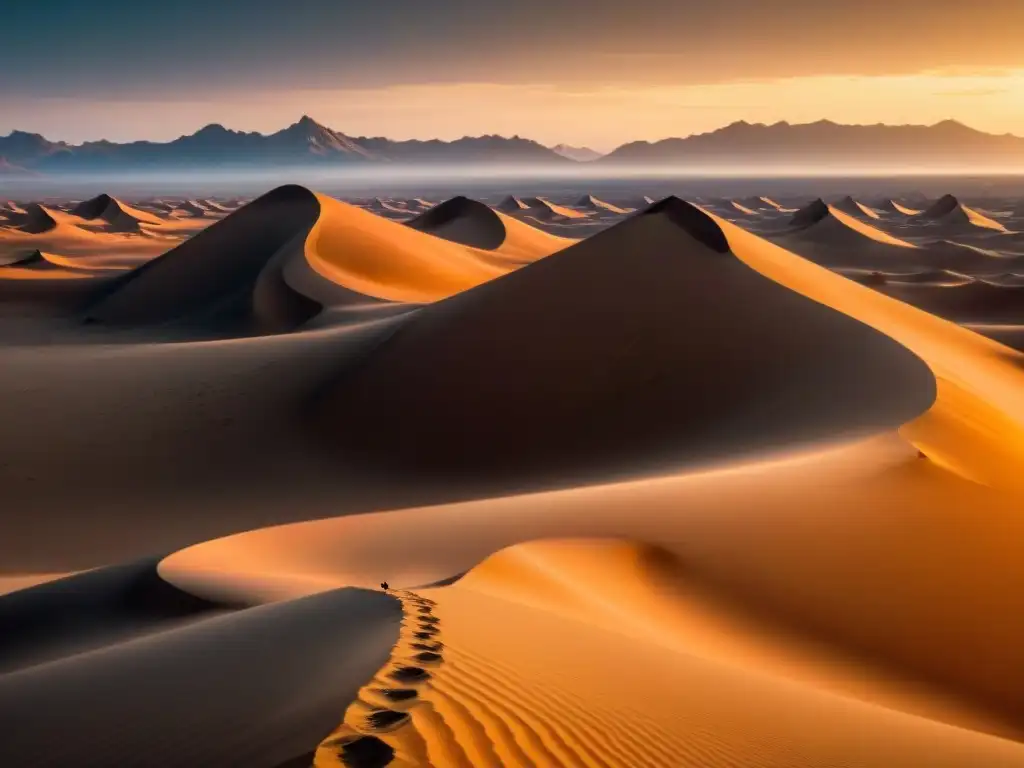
[[307, 143], [304, 143], [948, 144]]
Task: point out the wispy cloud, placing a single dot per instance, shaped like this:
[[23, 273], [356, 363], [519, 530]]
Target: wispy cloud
[[972, 92]]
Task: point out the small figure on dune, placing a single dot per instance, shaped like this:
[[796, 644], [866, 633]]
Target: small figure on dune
[[384, 586]]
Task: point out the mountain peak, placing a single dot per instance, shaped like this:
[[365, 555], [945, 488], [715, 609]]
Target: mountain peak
[[579, 154], [307, 123], [211, 130]]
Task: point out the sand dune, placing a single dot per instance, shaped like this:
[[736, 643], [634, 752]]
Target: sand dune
[[933, 277], [543, 426], [973, 301], [851, 207], [949, 216], [511, 204], [725, 507], [591, 203], [543, 210], [67, 235], [34, 219], [891, 207], [114, 214], [884, 475], [741, 209], [388, 207], [213, 206], [190, 208], [258, 687], [282, 259], [472, 223], [769, 204], [828, 236]]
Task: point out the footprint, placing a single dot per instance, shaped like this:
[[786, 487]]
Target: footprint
[[410, 675], [425, 634], [428, 619], [386, 719], [428, 657], [365, 752], [435, 646], [398, 694]]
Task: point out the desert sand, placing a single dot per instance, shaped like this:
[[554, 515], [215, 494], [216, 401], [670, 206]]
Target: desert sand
[[718, 486]]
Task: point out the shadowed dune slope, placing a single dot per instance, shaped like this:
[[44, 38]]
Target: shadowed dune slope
[[79, 613], [689, 374], [511, 204], [217, 267], [258, 687], [975, 301], [464, 221], [35, 219]]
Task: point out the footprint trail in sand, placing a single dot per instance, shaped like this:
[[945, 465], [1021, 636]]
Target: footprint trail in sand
[[380, 726]]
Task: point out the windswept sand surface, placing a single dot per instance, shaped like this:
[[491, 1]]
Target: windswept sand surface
[[722, 483]]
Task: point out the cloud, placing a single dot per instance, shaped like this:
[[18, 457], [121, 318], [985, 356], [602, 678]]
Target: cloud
[[206, 48], [972, 92]]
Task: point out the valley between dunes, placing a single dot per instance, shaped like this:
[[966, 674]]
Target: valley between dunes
[[648, 487]]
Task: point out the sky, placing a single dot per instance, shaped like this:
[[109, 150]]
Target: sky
[[594, 73]]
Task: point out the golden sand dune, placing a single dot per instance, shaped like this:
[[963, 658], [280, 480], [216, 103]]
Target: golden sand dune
[[544, 210], [741, 209], [114, 215], [591, 203], [783, 526], [34, 219], [828, 236], [851, 207], [733, 580], [949, 216], [472, 223], [891, 207], [280, 260], [59, 233], [764, 204]]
